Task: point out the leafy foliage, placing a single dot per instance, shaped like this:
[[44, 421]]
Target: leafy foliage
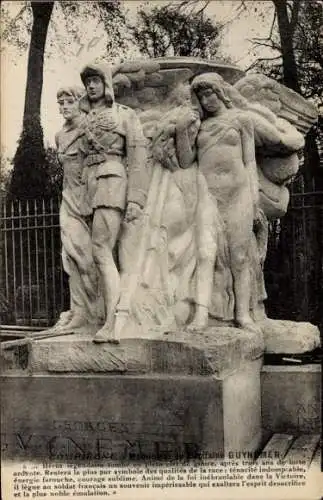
[[305, 30], [172, 30], [16, 29], [308, 48], [30, 177], [68, 32], [36, 172], [55, 173], [76, 16], [5, 173]]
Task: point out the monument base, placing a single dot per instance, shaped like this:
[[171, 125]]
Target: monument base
[[289, 337], [184, 397], [291, 399]]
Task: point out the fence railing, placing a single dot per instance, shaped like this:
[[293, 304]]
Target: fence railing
[[34, 288], [33, 285], [294, 264]]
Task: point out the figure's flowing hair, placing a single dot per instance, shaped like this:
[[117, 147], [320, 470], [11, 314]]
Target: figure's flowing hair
[[73, 91]]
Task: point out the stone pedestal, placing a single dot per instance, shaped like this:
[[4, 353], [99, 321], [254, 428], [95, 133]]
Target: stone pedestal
[[291, 399], [176, 396]]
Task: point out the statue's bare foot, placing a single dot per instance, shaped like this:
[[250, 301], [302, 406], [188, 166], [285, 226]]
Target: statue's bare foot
[[64, 319], [200, 320], [105, 334], [75, 323], [247, 323]]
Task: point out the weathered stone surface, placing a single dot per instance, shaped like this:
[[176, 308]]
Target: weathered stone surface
[[274, 198], [279, 170], [229, 72], [291, 398], [175, 76], [154, 80], [190, 206], [217, 350], [282, 336], [114, 416]]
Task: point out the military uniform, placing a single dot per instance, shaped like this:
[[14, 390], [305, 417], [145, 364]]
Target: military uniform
[[114, 175], [114, 149], [114, 167]]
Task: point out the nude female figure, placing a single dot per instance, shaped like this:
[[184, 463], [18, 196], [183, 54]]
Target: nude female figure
[[226, 158], [174, 146]]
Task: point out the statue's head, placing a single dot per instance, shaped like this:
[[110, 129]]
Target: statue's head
[[97, 80], [211, 91], [68, 100]]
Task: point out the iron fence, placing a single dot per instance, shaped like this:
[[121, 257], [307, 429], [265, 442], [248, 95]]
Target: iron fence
[[34, 288], [33, 285], [294, 263]]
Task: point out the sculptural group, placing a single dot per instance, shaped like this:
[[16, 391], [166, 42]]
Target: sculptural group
[[166, 202]]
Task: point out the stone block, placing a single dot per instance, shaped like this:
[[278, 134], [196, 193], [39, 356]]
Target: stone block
[[289, 337], [217, 350], [142, 399], [291, 399]]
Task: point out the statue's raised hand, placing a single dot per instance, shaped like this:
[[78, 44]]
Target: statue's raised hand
[[133, 211], [187, 116]]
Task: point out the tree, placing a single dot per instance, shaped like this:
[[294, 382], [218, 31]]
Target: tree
[[30, 176], [294, 262], [295, 36], [176, 30], [31, 173]]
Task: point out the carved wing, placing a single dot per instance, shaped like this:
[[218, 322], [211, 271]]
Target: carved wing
[[282, 101]]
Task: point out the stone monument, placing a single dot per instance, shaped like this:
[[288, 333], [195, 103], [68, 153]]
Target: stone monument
[[174, 167]]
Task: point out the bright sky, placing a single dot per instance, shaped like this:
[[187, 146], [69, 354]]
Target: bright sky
[[62, 66]]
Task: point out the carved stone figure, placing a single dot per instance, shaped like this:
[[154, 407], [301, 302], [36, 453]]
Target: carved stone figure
[[75, 232], [226, 156], [280, 120], [174, 145], [115, 179], [168, 205], [178, 191], [269, 143]]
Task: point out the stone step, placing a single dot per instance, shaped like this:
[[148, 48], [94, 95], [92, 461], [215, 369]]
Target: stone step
[[277, 447], [316, 460], [304, 448]]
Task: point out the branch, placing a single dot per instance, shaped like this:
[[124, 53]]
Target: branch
[[191, 4], [233, 18], [262, 59], [273, 45], [200, 11], [11, 25]]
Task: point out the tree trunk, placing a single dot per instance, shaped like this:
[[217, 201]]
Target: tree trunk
[[286, 39], [313, 178], [41, 12], [286, 32], [30, 175]]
